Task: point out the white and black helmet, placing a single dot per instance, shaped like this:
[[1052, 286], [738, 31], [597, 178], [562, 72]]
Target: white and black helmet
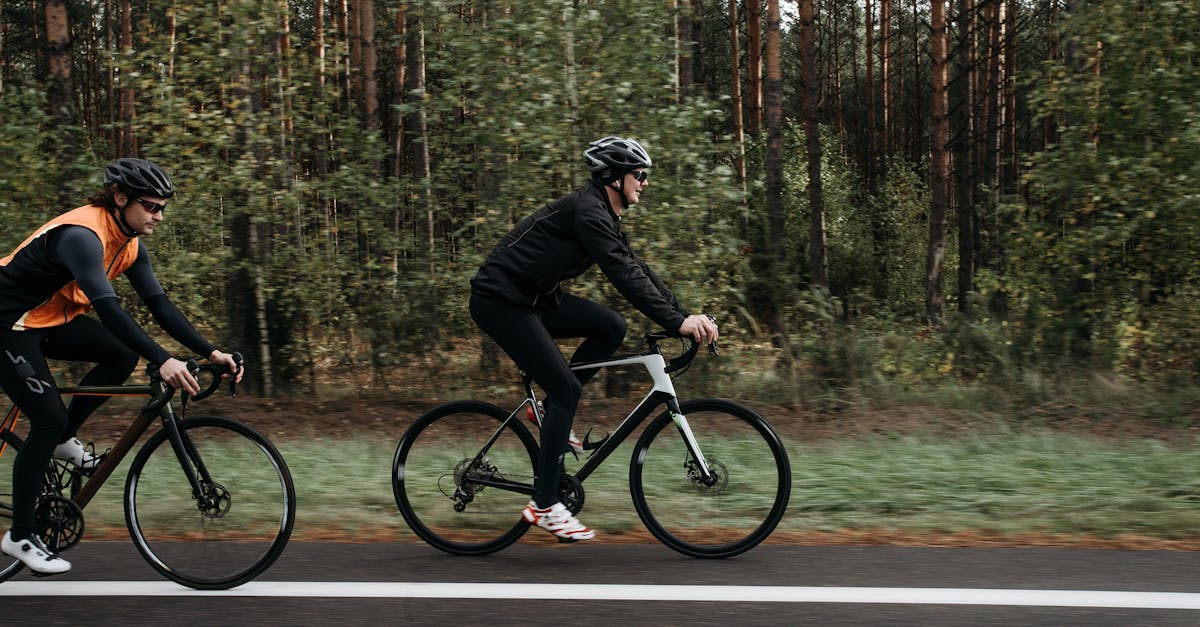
[[138, 177], [610, 158]]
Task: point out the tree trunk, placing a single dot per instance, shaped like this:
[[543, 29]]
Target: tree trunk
[[836, 93], [60, 97], [59, 93], [1008, 175], [885, 71], [915, 135], [2, 64], [370, 89], [320, 161], [754, 68], [417, 128], [964, 134], [935, 304], [818, 266], [871, 154], [686, 49], [739, 137], [127, 143], [400, 79]]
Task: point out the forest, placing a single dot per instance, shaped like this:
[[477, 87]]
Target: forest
[[867, 194]]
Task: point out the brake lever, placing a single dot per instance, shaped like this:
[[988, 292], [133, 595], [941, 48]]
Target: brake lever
[[237, 359]]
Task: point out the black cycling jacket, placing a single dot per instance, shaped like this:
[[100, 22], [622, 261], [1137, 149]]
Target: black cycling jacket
[[561, 241]]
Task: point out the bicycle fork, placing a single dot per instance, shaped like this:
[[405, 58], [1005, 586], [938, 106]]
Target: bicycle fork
[[707, 476], [190, 461]]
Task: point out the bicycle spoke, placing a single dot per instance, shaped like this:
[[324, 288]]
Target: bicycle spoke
[[455, 497], [729, 510], [238, 524]]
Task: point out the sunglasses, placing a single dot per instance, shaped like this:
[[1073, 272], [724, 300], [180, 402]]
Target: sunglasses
[[152, 207], [641, 176]]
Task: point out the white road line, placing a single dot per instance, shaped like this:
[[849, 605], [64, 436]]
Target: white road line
[[602, 592]]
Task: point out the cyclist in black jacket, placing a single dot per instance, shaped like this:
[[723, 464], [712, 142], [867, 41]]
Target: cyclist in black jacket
[[517, 299]]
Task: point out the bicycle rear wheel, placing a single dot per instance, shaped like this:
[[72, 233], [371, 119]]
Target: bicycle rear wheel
[[735, 510], [454, 494], [239, 525], [10, 443]]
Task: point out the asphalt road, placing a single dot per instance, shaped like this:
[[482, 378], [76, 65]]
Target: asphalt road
[[599, 584]]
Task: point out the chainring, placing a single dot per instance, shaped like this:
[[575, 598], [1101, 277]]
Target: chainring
[[570, 493], [59, 522]]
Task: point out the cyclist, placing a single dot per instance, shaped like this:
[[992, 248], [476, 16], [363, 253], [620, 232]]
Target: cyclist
[[59, 272], [518, 300]]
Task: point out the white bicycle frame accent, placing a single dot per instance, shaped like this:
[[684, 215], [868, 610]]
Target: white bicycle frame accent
[[656, 367]]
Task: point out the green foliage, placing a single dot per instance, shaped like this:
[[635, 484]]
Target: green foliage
[[1110, 236], [293, 240]]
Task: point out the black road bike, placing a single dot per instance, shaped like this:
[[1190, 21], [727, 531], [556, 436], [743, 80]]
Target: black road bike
[[209, 501], [709, 478]]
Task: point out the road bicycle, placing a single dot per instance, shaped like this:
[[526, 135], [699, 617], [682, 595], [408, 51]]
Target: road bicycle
[[708, 478], [209, 501]]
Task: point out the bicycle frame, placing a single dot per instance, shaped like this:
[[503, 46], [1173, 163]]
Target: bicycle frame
[[661, 393], [159, 406]]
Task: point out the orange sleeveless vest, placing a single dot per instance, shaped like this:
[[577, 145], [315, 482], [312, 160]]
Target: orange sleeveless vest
[[70, 301]]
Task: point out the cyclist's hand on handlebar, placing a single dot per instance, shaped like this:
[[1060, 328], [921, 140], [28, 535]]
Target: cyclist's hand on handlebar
[[227, 360], [701, 328], [176, 374]]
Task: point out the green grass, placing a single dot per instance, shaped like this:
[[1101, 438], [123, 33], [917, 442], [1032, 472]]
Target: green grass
[[1000, 484]]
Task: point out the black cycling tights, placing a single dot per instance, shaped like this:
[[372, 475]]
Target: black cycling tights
[[25, 377], [528, 338]]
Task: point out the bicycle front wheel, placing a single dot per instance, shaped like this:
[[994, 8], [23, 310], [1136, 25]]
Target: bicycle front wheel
[[732, 510], [235, 528], [461, 476]]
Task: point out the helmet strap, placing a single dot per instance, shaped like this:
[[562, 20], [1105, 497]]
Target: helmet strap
[[620, 188], [119, 216]]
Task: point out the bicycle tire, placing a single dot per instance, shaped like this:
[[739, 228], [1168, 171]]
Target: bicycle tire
[[11, 443], [716, 521], [432, 471], [251, 513]]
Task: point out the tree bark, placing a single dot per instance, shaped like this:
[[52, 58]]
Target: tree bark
[[774, 119], [418, 130], [754, 68], [127, 143], [60, 94], [739, 136], [2, 64], [885, 72], [940, 164], [370, 89], [964, 137], [818, 266], [871, 152], [400, 79]]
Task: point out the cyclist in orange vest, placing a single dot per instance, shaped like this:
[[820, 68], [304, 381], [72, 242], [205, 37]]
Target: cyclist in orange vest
[[64, 269]]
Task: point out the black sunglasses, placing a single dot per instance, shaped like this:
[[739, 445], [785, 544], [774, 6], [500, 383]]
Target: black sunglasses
[[152, 207], [641, 176]]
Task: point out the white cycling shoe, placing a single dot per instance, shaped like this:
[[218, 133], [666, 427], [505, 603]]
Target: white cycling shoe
[[557, 519], [34, 555], [73, 451]]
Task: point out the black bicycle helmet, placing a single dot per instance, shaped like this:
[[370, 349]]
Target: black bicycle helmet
[[610, 158], [138, 177]]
